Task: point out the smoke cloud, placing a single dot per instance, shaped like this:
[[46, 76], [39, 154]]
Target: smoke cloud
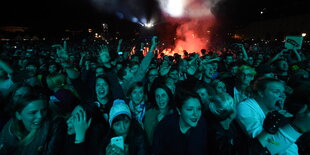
[[194, 19]]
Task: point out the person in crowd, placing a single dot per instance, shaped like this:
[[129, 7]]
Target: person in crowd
[[137, 103], [161, 99], [239, 88], [123, 125], [5, 77], [225, 135], [218, 87], [204, 91], [62, 100], [263, 117], [184, 132], [151, 75], [31, 130], [102, 97], [85, 131], [207, 73]]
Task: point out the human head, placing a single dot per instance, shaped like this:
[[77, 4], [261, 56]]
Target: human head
[[182, 66], [245, 75], [281, 66], [53, 68], [174, 74], [102, 87], [55, 81], [189, 108], [30, 112], [161, 96], [19, 90], [120, 117], [203, 90], [228, 58], [136, 92], [269, 92], [99, 71], [31, 68], [218, 87], [79, 110], [222, 106], [170, 83], [208, 70], [104, 54], [134, 66], [152, 74]]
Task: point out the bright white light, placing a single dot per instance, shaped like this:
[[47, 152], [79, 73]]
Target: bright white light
[[148, 25], [303, 34], [175, 8], [261, 12]]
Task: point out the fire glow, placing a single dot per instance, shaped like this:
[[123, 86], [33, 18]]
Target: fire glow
[[194, 20]]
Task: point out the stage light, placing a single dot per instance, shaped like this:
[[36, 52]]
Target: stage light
[[149, 25], [304, 34]]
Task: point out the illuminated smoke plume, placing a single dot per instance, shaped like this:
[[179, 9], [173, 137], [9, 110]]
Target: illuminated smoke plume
[[132, 10], [194, 18]]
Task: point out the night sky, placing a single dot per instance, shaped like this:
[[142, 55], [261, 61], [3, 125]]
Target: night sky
[[59, 14]]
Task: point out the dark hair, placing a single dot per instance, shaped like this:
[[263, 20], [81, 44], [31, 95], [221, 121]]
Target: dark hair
[[261, 83], [182, 95], [133, 86], [154, 87], [120, 117], [105, 78], [201, 85]]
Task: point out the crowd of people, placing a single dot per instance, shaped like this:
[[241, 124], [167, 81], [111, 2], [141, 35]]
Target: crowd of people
[[77, 98]]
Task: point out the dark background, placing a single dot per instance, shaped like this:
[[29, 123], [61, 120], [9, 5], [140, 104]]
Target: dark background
[[55, 15]]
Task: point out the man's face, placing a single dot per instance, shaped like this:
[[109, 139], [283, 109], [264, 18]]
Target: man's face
[[273, 93], [152, 75], [246, 76], [174, 75], [208, 72], [203, 93]]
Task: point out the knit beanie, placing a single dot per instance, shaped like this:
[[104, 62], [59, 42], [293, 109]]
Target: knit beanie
[[119, 107]]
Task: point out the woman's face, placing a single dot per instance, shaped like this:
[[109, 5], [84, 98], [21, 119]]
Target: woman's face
[[102, 88], [121, 127], [33, 114], [161, 98], [137, 95], [190, 112]]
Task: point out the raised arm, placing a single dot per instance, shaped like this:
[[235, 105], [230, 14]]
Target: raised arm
[[6, 67]]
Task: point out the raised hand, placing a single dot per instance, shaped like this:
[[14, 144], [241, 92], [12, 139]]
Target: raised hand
[[104, 54], [164, 69], [154, 41], [61, 51], [81, 125]]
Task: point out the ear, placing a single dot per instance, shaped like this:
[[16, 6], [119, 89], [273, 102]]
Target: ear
[[178, 110], [18, 116]]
